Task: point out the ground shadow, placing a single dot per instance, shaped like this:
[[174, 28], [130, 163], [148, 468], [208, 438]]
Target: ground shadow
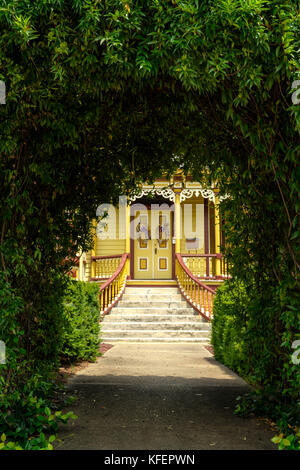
[[160, 412]]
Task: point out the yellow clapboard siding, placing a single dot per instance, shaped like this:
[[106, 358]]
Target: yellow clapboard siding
[[110, 247], [111, 239]]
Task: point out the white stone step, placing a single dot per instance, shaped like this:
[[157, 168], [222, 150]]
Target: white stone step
[[143, 310], [152, 290], [155, 334], [167, 325], [151, 297], [149, 318], [154, 304], [157, 340]]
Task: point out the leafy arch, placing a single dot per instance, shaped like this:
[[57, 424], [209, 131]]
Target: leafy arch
[[104, 94]]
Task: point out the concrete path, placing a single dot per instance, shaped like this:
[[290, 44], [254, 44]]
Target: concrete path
[[159, 397]]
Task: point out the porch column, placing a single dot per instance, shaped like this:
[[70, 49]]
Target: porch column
[[206, 235], [93, 264], [127, 245], [177, 223], [217, 235]]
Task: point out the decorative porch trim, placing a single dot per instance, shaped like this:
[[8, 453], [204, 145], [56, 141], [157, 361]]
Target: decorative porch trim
[[205, 193], [168, 193]]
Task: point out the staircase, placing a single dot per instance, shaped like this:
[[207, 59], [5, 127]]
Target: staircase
[[154, 313]]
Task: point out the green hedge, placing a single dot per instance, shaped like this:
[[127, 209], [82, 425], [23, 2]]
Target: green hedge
[[28, 384], [229, 326], [81, 327], [250, 336]]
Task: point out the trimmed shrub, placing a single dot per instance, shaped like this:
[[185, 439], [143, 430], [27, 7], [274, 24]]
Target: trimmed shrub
[[229, 326], [28, 377], [81, 327], [250, 336]]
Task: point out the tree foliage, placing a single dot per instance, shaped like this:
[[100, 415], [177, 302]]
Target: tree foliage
[[104, 94]]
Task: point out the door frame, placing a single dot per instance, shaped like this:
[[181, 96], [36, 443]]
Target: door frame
[[132, 255]]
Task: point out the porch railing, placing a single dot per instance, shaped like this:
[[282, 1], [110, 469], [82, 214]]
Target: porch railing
[[205, 266], [112, 290], [103, 267], [200, 296]]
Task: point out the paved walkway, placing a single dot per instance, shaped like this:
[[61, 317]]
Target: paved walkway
[[159, 397]]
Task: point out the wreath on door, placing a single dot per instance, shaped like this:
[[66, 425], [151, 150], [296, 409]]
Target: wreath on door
[[162, 233], [143, 229]]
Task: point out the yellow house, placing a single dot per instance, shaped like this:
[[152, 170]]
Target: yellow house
[[165, 233]]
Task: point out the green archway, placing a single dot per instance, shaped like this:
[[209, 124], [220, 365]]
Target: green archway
[[102, 95]]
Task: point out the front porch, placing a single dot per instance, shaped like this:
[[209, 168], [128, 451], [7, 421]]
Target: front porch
[[169, 232]]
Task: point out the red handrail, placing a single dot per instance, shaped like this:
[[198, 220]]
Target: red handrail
[[105, 270], [111, 293], [191, 275], [119, 269], [200, 297], [208, 256]]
